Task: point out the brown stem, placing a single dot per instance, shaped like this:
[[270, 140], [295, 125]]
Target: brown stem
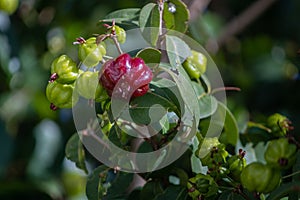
[[196, 7], [114, 38], [226, 89], [239, 23]]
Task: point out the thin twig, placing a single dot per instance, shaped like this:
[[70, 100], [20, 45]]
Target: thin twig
[[239, 23], [114, 38], [225, 89], [197, 7]]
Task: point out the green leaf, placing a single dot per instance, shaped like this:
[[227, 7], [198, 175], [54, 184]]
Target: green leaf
[[187, 94], [284, 190], [177, 51], [208, 105], [173, 192], [222, 121], [75, 152], [196, 164], [177, 20], [105, 184], [150, 55], [149, 23], [149, 106], [150, 190], [95, 186], [119, 185], [230, 132], [126, 16]]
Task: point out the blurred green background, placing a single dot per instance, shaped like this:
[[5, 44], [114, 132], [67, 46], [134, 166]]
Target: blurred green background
[[262, 60]]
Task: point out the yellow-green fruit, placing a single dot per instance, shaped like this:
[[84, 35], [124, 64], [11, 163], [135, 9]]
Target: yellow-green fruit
[[195, 65], [257, 177], [236, 165], [65, 69], [9, 6], [279, 124], [280, 153], [87, 85], [91, 53], [61, 95], [121, 34]]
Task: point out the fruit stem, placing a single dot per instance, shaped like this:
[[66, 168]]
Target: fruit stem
[[114, 38], [226, 89]]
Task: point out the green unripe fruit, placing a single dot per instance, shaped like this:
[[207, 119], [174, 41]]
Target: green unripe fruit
[[91, 53], [216, 157], [64, 70], [61, 95], [281, 154], [87, 85], [257, 177], [9, 6], [279, 124], [120, 33], [195, 65], [236, 165], [202, 185]]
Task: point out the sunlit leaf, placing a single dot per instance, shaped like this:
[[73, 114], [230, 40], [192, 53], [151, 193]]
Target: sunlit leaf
[[126, 16], [176, 15], [177, 50], [149, 22]]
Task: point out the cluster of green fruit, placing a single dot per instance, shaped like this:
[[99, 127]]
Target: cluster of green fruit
[[256, 177], [67, 81]]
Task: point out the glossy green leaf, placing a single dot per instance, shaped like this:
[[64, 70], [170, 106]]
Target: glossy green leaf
[[151, 190], [105, 184], [150, 55], [149, 23], [149, 106], [177, 50], [75, 152], [95, 186], [230, 132], [208, 105], [198, 88], [222, 123], [187, 94], [176, 15], [126, 16], [173, 192]]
